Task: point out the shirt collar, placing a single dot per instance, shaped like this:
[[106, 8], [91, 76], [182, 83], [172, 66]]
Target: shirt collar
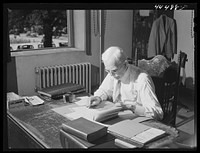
[[126, 77]]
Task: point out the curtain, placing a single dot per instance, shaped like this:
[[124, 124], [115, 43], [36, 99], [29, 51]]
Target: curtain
[[6, 45], [88, 32]]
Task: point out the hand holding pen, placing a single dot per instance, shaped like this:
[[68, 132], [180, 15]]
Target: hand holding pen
[[93, 101]]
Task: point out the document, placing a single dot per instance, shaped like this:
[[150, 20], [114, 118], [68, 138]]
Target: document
[[78, 112], [105, 110], [82, 101], [34, 100]]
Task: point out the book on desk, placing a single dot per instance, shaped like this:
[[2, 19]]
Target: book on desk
[[57, 91], [85, 129], [134, 133]]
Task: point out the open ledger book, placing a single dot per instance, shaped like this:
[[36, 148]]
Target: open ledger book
[[105, 110]]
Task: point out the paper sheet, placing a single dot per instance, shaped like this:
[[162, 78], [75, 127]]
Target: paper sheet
[[82, 101], [81, 112], [148, 135], [33, 100]]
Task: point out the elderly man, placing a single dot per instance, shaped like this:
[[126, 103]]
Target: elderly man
[[127, 85]]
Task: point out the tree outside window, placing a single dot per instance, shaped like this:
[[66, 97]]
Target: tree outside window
[[37, 29]]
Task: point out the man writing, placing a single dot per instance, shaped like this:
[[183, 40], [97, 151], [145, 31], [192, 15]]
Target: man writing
[[128, 86]]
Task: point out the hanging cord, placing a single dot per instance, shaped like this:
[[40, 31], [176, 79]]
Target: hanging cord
[[96, 22], [192, 24], [104, 22]]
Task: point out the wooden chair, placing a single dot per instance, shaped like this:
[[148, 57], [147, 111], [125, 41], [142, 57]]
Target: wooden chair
[[168, 95], [167, 90], [167, 87]]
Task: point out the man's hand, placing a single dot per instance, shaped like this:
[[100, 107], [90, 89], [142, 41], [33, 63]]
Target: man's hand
[[93, 101], [126, 105]]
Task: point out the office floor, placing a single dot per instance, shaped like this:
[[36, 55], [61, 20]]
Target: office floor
[[185, 118]]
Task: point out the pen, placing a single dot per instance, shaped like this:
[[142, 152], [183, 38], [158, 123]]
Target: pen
[[89, 102]]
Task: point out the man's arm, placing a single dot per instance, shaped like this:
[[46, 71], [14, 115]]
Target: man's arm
[[105, 89], [149, 99]]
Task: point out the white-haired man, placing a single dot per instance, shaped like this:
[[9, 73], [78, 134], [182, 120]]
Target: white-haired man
[[127, 85]]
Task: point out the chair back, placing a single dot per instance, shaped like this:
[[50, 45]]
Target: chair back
[[169, 96], [166, 85]]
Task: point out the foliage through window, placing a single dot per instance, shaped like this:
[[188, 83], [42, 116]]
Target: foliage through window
[[37, 29]]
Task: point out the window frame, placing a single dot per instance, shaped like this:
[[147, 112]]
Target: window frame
[[70, 29], [86, 38]]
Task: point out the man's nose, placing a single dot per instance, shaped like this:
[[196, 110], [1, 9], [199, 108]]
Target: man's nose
[[112, 74]]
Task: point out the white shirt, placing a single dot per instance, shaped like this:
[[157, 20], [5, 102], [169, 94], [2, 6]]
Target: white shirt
[[139, 88]]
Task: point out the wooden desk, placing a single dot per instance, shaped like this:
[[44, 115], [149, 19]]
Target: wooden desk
[[39, 127], [108, 140]]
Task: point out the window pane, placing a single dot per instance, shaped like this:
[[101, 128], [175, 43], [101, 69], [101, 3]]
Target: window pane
[[37, 29]]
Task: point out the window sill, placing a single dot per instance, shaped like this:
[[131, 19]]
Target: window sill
[[44, 51]]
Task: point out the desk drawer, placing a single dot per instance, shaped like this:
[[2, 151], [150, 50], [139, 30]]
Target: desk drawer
[[18, 138]]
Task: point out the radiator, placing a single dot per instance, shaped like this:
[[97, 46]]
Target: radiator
[[59, 74]]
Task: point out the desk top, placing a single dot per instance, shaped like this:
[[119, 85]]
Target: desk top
[[44, 123]]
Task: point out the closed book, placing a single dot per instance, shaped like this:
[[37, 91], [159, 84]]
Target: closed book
[[58, 91], [85, 129], [135, 133]]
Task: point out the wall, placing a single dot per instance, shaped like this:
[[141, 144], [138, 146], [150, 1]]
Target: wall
[[25, 66], [119, 29], [186, 43], [118, 33]]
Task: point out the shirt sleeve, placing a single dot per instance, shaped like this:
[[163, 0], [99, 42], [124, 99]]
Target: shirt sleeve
[[148, 97], [105, 90]]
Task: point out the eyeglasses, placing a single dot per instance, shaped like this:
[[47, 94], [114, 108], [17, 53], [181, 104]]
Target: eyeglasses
[[116, 70], [112, 71]]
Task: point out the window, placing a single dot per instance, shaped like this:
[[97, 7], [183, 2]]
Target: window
[[39, 29]]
